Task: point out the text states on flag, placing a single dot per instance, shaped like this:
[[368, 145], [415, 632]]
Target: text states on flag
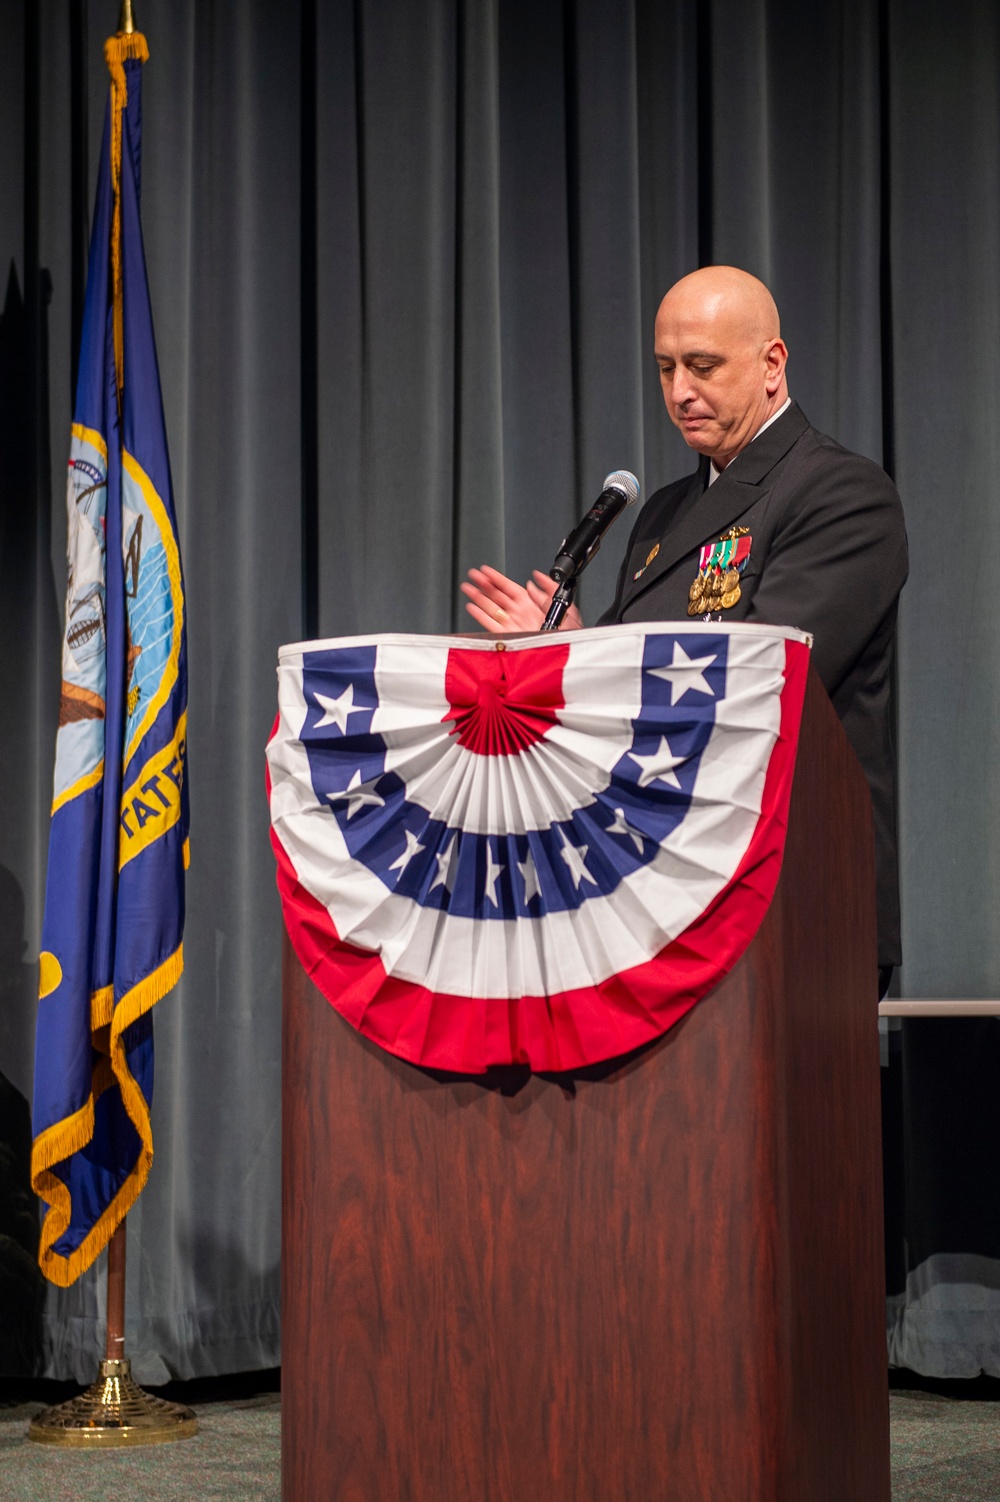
[[153, 803]]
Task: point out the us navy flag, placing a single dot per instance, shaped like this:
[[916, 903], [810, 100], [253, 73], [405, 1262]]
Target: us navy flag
[[114, 903]]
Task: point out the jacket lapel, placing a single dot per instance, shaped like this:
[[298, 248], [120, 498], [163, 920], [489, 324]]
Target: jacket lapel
[[715, 509]]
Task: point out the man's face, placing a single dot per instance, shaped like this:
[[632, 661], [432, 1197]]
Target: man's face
[[720, 378]]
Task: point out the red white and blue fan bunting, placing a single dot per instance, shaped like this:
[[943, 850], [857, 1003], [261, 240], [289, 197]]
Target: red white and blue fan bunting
[[540, 851]]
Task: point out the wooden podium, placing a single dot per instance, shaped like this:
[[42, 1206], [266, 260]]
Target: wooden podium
[[658, 1280]]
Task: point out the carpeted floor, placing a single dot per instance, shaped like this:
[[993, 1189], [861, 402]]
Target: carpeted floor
[[943, 1450], [235, 1457]]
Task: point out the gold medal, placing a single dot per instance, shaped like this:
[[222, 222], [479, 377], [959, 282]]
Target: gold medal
[[717, 587]]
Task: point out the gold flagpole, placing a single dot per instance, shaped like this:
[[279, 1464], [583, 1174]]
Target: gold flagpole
[[114, 1410]]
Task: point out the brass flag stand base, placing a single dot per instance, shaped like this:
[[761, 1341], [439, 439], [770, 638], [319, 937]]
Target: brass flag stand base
[[113, 1411]]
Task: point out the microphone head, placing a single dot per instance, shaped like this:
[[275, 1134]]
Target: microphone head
[[621, 479]]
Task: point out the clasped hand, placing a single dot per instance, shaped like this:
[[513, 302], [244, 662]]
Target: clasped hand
[[498, 604]]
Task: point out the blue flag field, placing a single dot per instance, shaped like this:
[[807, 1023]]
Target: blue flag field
[[118, 846]]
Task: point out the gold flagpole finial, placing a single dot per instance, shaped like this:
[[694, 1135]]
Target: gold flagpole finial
[[126, 23]]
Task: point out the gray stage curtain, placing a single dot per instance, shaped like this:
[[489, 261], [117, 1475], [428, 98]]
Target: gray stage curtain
[[404, 263], [944, 1305], [221, 219]]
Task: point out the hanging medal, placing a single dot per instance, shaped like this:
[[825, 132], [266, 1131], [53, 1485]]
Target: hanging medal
[[720, 565]]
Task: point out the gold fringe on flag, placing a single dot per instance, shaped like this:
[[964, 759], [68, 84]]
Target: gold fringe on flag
[[59, 1142]]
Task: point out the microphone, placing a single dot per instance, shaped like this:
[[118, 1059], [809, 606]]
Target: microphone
[[621, 489]]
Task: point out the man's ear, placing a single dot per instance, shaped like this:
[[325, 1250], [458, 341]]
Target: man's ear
[[775, 359]]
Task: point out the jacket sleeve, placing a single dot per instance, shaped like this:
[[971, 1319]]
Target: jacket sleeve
[[837, 561]]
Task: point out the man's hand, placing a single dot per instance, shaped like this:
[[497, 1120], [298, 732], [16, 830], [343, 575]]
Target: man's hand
[[498, 604]]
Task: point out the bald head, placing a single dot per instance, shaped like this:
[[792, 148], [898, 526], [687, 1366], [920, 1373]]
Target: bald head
[[726, 299], [721, 358]]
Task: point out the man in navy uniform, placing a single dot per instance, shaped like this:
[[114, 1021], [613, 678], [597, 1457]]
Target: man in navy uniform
[[817, 532]]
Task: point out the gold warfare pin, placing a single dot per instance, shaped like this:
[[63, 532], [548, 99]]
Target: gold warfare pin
[[649, 558]]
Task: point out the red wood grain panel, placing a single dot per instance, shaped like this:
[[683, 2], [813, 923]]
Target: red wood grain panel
[[661, 1278]]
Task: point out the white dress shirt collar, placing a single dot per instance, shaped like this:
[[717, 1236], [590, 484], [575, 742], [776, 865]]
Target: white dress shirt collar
[[713, 473]]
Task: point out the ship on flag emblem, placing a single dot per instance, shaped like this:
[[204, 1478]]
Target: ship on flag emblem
[[542, 851]]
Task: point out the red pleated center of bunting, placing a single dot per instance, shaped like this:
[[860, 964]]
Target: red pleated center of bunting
[[503, 702]]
